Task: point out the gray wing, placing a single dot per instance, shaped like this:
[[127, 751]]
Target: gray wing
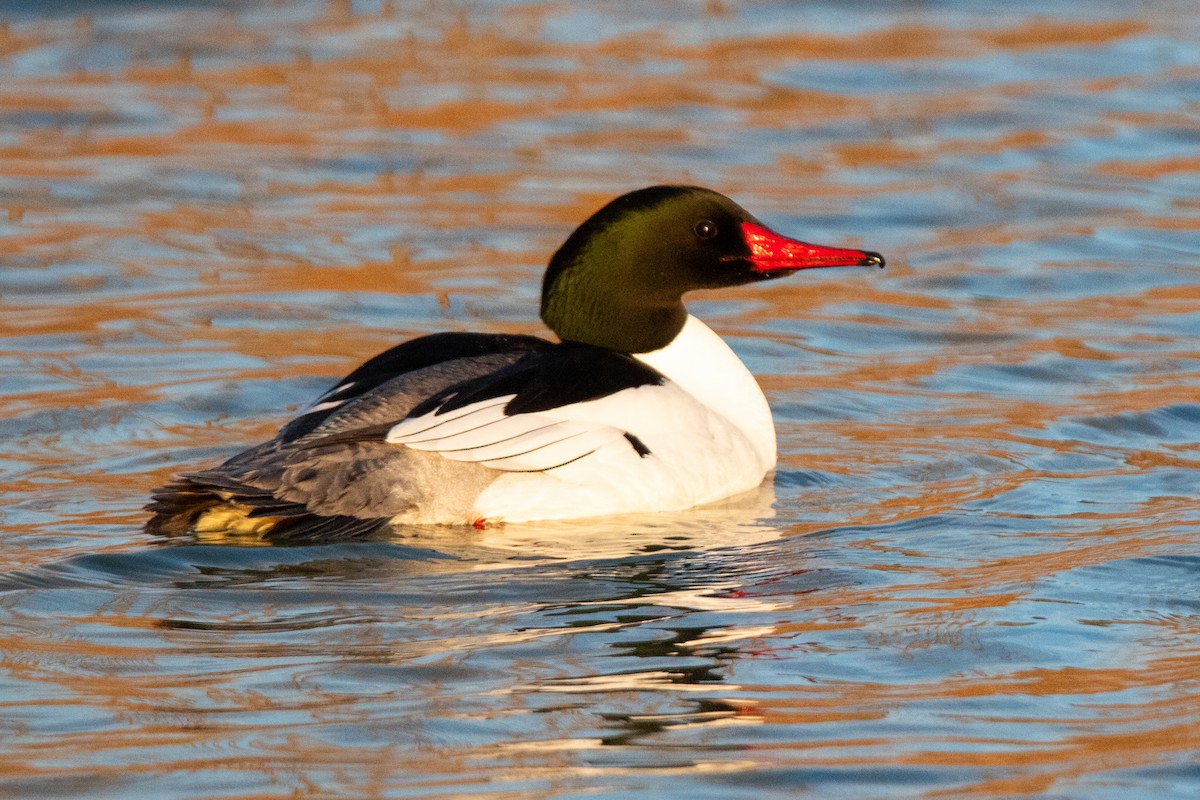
[[342, 478]]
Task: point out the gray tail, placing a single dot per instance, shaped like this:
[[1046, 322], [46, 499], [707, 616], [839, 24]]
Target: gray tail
[[215, 504]]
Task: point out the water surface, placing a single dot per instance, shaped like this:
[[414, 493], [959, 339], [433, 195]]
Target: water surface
[[973, 575]]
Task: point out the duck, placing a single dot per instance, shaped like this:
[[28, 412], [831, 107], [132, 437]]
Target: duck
[[637, 407]]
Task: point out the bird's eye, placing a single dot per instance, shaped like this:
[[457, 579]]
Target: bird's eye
[[706, 229]]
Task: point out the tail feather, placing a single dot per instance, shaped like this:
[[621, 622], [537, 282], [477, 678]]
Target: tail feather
[[209, 502], [175, 506]]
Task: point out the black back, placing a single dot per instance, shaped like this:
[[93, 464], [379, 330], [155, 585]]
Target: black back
[[415, 354]]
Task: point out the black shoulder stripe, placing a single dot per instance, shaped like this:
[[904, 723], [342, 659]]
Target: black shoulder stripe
[[436, 348], [639, 446], [575, 373], [561, 375], [410, 356]]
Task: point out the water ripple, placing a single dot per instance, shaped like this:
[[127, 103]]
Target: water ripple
[[971, 575]]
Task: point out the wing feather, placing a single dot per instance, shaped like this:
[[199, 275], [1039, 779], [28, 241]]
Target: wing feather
[[524, 418], [521, 442], [422, 430], [430, 427]]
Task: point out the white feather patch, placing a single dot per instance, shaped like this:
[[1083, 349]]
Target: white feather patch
[[483, 433], [434, 428], [322, 407]]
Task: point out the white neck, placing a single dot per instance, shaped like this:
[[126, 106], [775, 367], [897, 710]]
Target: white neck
[[700, 363]]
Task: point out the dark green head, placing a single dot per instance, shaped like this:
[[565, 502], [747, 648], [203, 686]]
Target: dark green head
[[619, 279]]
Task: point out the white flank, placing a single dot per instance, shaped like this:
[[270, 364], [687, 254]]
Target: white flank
[[696, 456], [700, 362], [708, 431]]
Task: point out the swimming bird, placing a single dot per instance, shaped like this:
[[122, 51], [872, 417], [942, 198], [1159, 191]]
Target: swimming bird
[[638, 407]]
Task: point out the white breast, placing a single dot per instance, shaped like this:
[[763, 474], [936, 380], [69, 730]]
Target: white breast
[[700, 363], [709, 432]]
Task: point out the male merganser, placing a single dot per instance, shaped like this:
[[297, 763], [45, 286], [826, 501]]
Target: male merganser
[[639, 407]]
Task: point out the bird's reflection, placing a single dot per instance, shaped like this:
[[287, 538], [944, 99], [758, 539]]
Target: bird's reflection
[[662, 606], [676, 615]]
